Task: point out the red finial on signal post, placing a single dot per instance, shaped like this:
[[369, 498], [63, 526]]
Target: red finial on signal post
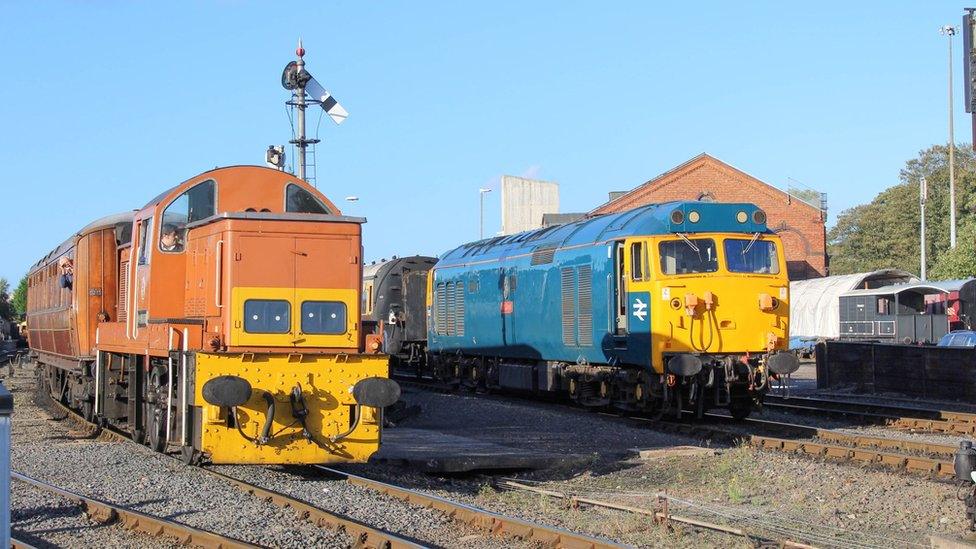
[[300, 50]]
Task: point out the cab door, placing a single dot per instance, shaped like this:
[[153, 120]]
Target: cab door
[[261, 271], [139, 284], [327, 287], [633, 302]]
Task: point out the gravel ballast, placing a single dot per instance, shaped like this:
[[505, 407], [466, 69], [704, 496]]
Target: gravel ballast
[[44, 519], [127, 474], [776, 495]]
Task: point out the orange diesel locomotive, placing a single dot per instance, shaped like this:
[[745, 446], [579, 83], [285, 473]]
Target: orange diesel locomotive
[[221, 320]]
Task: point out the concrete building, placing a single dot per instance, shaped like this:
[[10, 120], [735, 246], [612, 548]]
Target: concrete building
[[801, 226], [525, 201]]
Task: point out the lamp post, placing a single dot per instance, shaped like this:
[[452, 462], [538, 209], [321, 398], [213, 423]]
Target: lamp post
[[923, 194], [950, 31], [481, 231]]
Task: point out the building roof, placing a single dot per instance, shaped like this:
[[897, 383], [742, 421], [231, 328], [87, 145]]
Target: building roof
[[815, 303], [550, 219], [702, 159]]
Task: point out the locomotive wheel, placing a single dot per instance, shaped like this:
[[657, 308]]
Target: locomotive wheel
[[155, 430]]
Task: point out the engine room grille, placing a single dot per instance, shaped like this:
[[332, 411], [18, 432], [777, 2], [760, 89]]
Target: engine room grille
[[585, 293], [459, 309], [567, 278], [123, 292], [440, 309], [451, 327], [449, 308], [543, 255]]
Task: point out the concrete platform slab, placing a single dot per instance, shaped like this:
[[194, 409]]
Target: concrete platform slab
[[431, 451]]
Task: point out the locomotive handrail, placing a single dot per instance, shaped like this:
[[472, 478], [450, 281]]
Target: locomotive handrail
[[220, 267], [169, 385], [183, 383]]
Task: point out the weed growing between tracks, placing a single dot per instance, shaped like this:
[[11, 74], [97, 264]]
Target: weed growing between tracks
[[767, 493]]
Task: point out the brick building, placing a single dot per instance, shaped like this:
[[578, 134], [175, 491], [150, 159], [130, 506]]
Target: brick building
[[800, 225]]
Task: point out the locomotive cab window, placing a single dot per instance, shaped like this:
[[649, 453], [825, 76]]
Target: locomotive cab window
[[267, 316], [688, 256], [323, 317], [198, 202], [751, 256], [145, 227], [299, 200], [638, 260]]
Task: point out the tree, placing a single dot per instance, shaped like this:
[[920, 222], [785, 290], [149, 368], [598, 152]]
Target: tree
[[19, 300], [6, 309], [885, 232]]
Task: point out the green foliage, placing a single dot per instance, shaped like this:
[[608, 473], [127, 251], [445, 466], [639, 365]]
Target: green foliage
[[19, 300], [961, 261], [885, 232], [6, 308]]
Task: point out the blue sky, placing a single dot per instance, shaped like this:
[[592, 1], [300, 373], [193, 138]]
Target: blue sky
[[104, 104]]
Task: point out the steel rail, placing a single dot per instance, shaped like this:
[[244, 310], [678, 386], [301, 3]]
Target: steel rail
[[908, 455], [105, 512], [793, 438], [900, 417], [489, 521], [362, 534], [662, 515], [16, 543]]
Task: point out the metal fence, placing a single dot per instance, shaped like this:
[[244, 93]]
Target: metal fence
[[947, 373]]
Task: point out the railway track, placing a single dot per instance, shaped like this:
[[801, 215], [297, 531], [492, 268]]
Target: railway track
[[898, 417], [106, 512], [899, 454], [481, 519], [492, 524]]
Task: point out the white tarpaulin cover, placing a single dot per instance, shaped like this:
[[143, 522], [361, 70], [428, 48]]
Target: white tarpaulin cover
[[815, 304]]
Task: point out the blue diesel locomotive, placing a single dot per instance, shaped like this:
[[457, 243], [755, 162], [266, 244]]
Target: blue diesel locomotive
[[663, 308]]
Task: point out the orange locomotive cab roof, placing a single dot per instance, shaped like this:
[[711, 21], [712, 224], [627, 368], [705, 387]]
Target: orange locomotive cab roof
[[247, 183]]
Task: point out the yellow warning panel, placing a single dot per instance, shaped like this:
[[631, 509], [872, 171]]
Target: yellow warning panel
[[324, 383]]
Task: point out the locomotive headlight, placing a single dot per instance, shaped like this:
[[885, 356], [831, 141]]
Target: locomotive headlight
[[677, 217], [742, 217], [694, 217], [759, 217]]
